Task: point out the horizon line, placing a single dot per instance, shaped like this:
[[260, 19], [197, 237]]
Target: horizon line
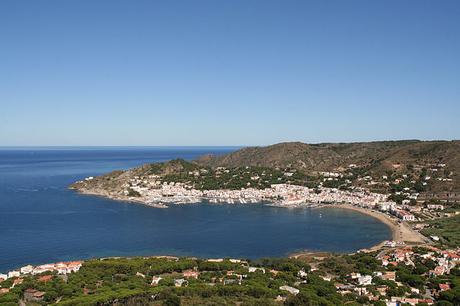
[[222, 146]]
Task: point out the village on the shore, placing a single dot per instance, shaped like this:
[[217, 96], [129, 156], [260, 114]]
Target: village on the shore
[[400, 199], [401, 271], [402, 196]]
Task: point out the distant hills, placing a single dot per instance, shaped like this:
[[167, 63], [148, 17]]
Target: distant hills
[[377, 158]]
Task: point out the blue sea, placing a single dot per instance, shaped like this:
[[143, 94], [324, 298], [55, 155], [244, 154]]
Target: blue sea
[[42, 221]]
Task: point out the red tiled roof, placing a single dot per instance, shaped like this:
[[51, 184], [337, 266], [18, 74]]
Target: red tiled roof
[[444, 287], [45, 278]]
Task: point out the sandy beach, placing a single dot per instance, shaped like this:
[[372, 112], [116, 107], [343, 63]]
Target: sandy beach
[[401, 231]]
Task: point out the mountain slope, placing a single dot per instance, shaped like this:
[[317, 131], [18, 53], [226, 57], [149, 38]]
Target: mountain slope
[[377, 158]]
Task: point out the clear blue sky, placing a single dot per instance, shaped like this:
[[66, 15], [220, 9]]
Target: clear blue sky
[[227, 72]]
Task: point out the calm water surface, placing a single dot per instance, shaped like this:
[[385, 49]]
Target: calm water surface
[[42, 221]]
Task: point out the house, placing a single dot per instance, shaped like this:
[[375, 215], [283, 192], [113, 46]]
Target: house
[[405, 216], [452, 256], [327, 278], [365, 280], [280, 298], [302, 274], [33, 295], [254, 269], [14, 274], [43, 268], [17, 281], [155, 280], [382, 290], [191, 274], [180, 282], [409, 301], [355, 275], [27, 269], [3, 277], [385, 206], [390, 275], [230, 281], [444, 287], [415, 290], [45, 278], [290, 289], [439, 270], [274, 272], [435, 207], [361, 290], [73, 266]]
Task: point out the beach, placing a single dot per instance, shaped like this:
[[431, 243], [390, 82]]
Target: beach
[[401, 231]]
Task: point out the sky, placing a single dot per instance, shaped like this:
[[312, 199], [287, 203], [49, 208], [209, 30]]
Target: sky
[[233, 72]]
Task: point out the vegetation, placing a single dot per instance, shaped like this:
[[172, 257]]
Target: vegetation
[[447, 229], [372, 158], [235, 178], [128, 281]]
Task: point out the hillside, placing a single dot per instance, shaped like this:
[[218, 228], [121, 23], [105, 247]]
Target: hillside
[[377, 158], [405, 170], [169, 280]]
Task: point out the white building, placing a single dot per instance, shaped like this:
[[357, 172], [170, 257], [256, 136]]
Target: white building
[[180, 282], [302, 274], [14, 274], [156, 280], [254, 269], [290, 289], [435, 206], [27, 269], [365, 280]]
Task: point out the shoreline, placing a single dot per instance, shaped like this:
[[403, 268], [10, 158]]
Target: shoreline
[[401, 232], [385, 219]]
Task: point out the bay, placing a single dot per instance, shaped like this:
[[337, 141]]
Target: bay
[[42, 221]]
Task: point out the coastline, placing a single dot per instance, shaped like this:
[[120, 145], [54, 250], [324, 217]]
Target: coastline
[[401, 231]]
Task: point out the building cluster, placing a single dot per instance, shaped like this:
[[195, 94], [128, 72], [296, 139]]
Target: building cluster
[[59, 268], [366, 285], [231, 277], [152, 190], [32, 295]]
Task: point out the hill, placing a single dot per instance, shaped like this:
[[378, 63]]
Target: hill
[[376, 158]]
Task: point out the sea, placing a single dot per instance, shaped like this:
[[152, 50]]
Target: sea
[[42, 221]]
